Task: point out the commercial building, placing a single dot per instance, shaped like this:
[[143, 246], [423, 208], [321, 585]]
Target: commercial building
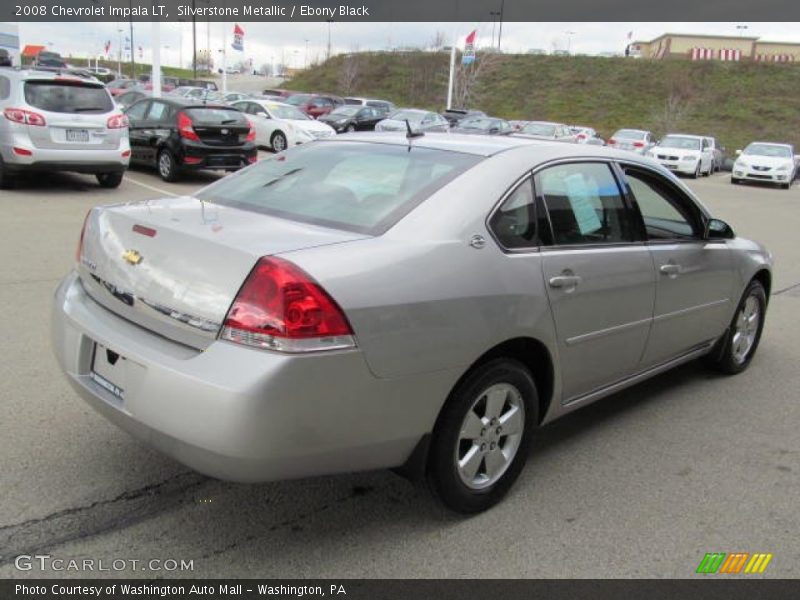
[[716, 47]]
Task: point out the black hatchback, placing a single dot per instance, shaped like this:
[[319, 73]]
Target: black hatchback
[[177, 134], [353, 118]]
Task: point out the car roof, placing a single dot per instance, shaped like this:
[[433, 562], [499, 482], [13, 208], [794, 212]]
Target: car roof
[[632, 129], [45, 74], [487, 145], [687, 135], [545, 123], [772, 144]]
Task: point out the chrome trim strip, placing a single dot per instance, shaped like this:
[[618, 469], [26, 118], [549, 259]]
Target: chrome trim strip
[[586, 337], [691, 309], [620, 385]]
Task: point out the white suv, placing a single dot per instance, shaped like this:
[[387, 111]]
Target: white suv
[[53, 121]]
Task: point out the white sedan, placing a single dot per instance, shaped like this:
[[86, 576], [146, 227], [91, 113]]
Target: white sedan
[[686, 154], [280, 126], [765, 162]]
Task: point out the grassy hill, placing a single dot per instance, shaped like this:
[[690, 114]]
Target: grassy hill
[[737, 102]]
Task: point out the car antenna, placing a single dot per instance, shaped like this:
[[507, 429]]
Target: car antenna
[[411, 134]]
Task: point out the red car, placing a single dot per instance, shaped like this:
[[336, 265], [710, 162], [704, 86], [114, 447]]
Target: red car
[[120, 86], [315, 105]]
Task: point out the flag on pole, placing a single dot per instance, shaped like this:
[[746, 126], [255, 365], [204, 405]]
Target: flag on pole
[[238, 38], [469, 49], [107, 47], [630, 34]]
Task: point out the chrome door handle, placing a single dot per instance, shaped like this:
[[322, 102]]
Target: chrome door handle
[[564, 281], [670, 269]]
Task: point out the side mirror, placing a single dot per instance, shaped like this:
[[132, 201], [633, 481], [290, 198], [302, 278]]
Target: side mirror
[[738, 152], [716, 229]]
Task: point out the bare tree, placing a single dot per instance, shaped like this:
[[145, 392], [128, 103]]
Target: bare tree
[[469, 77], [348, 75], [677, 106], [437, 43], [204, 61]]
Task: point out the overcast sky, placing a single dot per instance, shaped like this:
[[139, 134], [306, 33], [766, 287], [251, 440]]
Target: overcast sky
[[273, 42]]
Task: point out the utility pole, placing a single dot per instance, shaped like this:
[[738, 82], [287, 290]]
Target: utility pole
[[494, 14], [119, 51], [305, 60]]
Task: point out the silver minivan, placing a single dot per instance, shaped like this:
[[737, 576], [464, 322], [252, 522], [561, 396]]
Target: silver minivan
[[53, 121]]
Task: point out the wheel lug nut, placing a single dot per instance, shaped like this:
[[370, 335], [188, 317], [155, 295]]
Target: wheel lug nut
[[483, 432], [483, 447], [499, 430], [493, 446]]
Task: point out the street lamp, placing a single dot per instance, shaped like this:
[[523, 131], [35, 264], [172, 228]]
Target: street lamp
[[329, 39], [741, 29], [500, 33], [569, 35], [305, 59], [494, 14]]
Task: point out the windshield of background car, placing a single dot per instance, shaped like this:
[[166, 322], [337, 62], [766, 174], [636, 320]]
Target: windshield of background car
[[477, 123], [767, 150], [215, 116], [345, 111], [411, 115], [679, 142], [68, 97], [360, 187], [281, 111], [629, 134], [539, 129], [298, 99]]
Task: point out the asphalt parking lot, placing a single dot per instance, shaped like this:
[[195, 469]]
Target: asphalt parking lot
[[642, 484]]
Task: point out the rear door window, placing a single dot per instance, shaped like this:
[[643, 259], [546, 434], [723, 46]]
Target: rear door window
[[68, 97], [585, 205], [137, 111]]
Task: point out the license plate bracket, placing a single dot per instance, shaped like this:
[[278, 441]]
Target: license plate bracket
[[109, 370], [77, 135]]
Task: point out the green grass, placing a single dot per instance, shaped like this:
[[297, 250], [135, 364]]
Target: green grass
[[736, 102]]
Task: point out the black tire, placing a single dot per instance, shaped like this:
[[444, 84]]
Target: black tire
[[696, 172], [443, 475], [350, 128], [166, 165], [278, 142], [735, 181], [6, 179], [109, 180], [723, 358]]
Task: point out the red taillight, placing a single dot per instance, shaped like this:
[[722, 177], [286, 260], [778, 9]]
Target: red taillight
[[79, 249], [192, 160], [185, 127], [251, 135], [26, 117], [126, 153], [280, 307], [22, 151], [638, 144], [581, 136], [611, 141], [117, 122], [252, 159]]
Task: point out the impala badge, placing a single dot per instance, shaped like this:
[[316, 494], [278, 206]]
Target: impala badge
[[132, 257]]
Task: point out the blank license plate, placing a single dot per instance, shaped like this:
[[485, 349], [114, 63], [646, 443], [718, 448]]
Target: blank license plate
[[77, 135], [108, 370]]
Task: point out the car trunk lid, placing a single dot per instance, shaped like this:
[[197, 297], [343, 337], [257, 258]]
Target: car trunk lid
[[174, 266], [219, 126]]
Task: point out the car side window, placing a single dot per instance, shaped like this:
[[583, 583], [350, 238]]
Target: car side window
[[514, 222], [158, 112], [137, 111], [666, 212], [585, 205], [5, 87]]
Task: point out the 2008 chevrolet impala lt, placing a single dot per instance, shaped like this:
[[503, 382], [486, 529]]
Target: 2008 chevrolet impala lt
[[378, 301]]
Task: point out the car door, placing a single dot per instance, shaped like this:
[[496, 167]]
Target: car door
[[598, 273], [694, 278], [136, 114], [707, 156], [157, 128]]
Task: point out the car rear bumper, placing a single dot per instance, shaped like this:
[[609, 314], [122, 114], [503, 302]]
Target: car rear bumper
[[197, 156], [242, 414], [81, 161]]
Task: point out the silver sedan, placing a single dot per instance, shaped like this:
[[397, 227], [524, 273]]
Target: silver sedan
[[381, 302]]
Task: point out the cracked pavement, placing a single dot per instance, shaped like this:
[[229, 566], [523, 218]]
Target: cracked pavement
[[641, 484]]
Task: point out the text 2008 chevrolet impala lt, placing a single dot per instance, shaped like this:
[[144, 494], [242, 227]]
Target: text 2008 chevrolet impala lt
[[378, 302]]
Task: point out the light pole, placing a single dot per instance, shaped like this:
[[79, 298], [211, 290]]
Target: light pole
[[119, 51], [133, 46], [166, 51], [494, 14], [329, 39], [569, 39], [305, 59], [500, 33]]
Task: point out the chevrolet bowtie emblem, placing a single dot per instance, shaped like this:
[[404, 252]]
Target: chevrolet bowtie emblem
[[132, 257]]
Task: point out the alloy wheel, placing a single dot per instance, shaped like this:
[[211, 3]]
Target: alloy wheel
[[746, 329], [490, 436]]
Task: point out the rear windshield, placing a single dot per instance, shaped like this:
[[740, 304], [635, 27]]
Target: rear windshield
[[629, 134], [365, 188], [215, 116], [539, 129], [67, 97]]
